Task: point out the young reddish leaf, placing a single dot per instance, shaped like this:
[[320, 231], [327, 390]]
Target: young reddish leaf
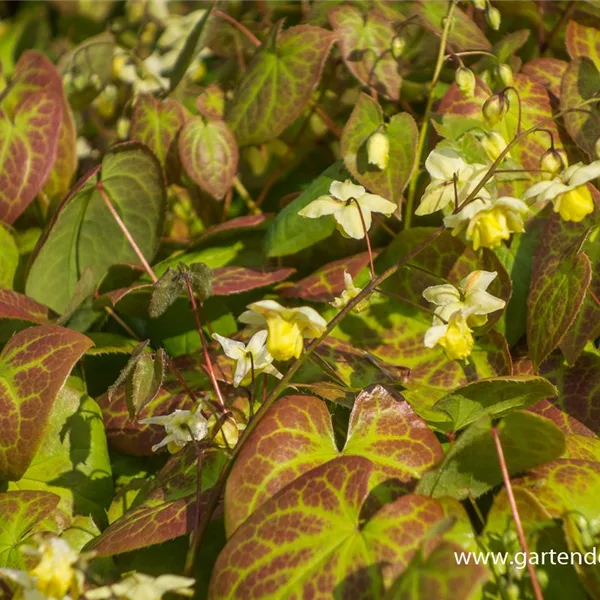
[[303, 542], [583, 42], [62, 173], [209, 154], [211, 102], [20, 512], [31, 112], [238, 225], [235, 280], [365, 44], [556, 295], [547, 72], [17, 306], [84, 230], [401, 130], [463, 34], [34, 365], [382, 428], [495, 397], [471, 468], [278, 83], [439, 576], [581, 82], [156, 124], [327, 282]]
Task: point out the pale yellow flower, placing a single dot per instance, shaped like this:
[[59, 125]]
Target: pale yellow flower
[[455, 336], [181, 426]]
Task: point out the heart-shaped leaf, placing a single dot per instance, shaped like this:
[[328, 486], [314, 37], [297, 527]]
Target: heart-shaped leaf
[[278, 84], [366, 119], [383, 428], [156, 124], [84, 230], [20, 512], [495, 397], [209, 154], [365, 44], [31, 113], [309, 540], [34, 365]]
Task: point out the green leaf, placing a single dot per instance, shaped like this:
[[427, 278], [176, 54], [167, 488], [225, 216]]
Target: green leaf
[[31, 112], [278, 84], [144, 381], [209, 154], [166, 290], [156, 124], [188, 51], [365, 44], [581, 82], [582, 42], [439, 576], [471, 466], [382, 428], [463, 33], [289, 233], [556, 295], [9, 258], [33, 367], [109, 343], [366, 118], [494, 397], [72, 459], [83, 233], [20, 512]]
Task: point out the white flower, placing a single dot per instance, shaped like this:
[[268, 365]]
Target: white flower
[[488, 222], [252, 356], [443, 165], [181, 427], [378, 149], [143, 587], [342, 204], [145, 79], [350, 292], [470, 297], [287, 327], [572, 199]]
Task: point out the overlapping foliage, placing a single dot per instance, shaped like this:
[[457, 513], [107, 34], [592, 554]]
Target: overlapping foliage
[[299, 299]]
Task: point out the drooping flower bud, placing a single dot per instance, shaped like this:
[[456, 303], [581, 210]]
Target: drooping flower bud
[[553, 161], [493, 18], [495, 108], [378, 149], [505, 74], [493, 144], [465, 81], [123, 128], [398, 47], [480, 4]]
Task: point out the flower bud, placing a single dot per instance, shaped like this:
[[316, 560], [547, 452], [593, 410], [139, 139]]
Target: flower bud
[[493, 144], [493, 18], [378, 150], [505, 74], [480, 4], [227, 434], [465, 81], [597, 148], [553, 161], [398, 47], [495, 108], [123, 127]]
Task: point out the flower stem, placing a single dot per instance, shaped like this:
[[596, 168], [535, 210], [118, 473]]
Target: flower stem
[[412, 188], [245, 196], [241, 28], [126, 232], [515, 513], [369, 250]]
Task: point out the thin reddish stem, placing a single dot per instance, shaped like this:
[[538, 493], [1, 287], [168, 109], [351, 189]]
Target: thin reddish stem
[[362, 220], [537, 590], [242, 28], [328, 121], [125, 231], [209, 365]]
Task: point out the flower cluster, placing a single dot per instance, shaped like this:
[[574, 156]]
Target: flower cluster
[[458, 310]]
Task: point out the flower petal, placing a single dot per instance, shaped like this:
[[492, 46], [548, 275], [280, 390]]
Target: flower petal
[[436, 196], [434, 334], [257, 342], [443, 163], [267, 307], [538, 188], [441, 294], [584, 173], [477, 280], [344, 190], [375, 203], [483, 303], [350, 221], [242, 368], [324, 205], [232, 348]]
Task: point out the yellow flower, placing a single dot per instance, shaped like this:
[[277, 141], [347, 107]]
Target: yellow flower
[[488, 222], [574, 205], [454, 337], [287, 327], [571, 197], [55, 574]]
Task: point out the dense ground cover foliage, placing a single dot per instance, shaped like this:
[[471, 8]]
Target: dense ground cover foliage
[[299, 299]]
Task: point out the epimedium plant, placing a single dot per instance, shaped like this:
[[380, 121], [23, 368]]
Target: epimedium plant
[[299, 299]]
